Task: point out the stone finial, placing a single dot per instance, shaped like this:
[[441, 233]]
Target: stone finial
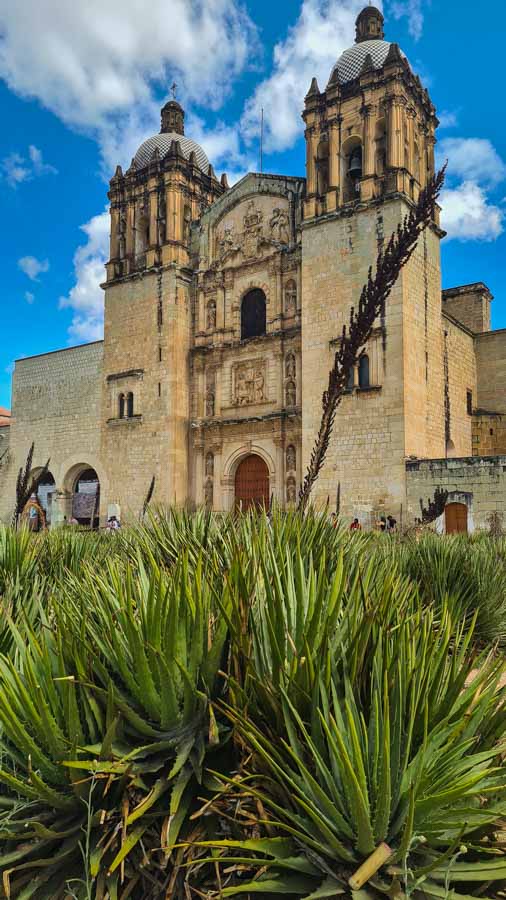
[[393, 56], [210, 171], [224, 181], [175, 149], [193, 158], [334, 78], [119, 172], [172, 118], [314, 90], [155, 156], [367, 65], [369, 25]]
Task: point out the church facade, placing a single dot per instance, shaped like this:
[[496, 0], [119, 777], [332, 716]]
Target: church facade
[[223, 311]]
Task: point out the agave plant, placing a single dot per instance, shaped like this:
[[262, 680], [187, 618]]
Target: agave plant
[[381, 741], [106, 724]]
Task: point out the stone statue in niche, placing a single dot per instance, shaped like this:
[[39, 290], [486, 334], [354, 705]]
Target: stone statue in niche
[[122, 233], [249, 384], [253, 231], [279, 226], [211, 315], [208, 494], [187, 221], [290, 366], [227, 245], [291, 490], [210, 464], [210, 402], [290, 299], [291, 394], [291, 458]]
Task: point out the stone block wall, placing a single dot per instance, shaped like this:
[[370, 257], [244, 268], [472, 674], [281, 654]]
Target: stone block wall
[[56, 403], [489, 434], [491, 368], [460, 381], [478, 482], [470, 304]]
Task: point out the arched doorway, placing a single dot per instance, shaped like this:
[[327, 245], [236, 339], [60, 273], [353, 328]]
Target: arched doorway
[[252, 483], [456, 518], [45, 492], [86, 498]]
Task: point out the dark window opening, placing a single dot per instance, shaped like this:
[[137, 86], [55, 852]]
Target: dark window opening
[[469, 402], [160, 314], [253, 314], [322, 166], [351, 379], [159, 389], [159, 354], [130, 405], [491, 431], [121, 406], [363, 371]]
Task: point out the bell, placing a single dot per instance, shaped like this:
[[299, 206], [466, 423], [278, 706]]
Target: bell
[[355, 167]]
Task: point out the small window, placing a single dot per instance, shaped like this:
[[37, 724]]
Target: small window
[[253, 314], [469, 402], [363, 371], [130, 405], [491, 432], [121, 406], [159, 354], [159, 389]]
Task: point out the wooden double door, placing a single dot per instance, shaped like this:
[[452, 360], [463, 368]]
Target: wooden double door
[[456, 518], [252, 483]]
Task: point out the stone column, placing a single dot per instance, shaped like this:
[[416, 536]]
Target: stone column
[[410, 121], [61, 508], [199, 470], [368, 143], [311, 138], [334, 167], [114, 232], [130, 229], [220, 301], [153, 216]]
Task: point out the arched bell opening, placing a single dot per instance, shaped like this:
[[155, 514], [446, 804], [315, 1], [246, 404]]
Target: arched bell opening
[[322, 166], [351, 169], [45, 494]]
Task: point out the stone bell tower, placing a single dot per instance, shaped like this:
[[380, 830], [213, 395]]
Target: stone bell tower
[[369, 151], [145, 394]]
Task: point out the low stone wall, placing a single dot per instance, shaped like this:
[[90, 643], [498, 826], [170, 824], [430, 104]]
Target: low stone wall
[[478, 482]]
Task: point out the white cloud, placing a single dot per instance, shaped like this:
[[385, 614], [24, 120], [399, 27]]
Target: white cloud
[[86, 298], [467, 214], [472, 159], [33, 267], [447, 119], [312, 46], [412, 10], [99, 66], [17, 168], [29, 297]]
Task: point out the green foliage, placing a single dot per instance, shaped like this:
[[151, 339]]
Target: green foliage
[[248, 706]]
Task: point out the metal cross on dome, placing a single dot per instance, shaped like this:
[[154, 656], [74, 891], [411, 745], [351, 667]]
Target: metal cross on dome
[[173, 89]]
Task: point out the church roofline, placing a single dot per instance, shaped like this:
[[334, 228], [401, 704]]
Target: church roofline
[[467, 289], [52, 352]]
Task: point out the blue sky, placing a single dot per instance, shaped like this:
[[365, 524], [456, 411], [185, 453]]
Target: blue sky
[[82, 89]]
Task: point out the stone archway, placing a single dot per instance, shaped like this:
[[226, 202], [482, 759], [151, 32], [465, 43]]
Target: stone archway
[[83, 489], [252, 483], [456, 518]]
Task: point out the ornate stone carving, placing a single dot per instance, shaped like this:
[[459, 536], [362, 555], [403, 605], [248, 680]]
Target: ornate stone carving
[[290, 298], [291, 490], [253, 227], [291, 393], [279, 226], [210, 464], [227, 246], [249, 383], [291, 458], [211, 315], [290, 368], [210, 402], [208, 493]]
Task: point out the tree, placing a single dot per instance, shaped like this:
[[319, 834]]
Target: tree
[[26, 485], [371, 304]]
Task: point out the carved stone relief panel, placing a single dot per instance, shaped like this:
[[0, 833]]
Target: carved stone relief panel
[[252, 228], [249, 383]]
